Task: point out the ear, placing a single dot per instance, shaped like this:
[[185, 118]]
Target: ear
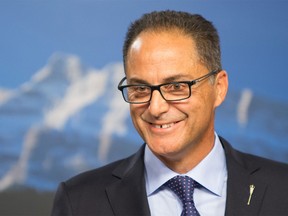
[[221, 87]]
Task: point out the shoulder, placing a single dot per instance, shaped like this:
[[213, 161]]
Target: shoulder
[[86, 193], [269, 168], [255, 164], [105, 175], [94, 176], [264, 162]]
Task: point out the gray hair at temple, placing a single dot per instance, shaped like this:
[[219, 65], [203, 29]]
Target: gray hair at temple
[[193, 25]]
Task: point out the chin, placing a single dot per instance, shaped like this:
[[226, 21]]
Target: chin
[[163, 148]]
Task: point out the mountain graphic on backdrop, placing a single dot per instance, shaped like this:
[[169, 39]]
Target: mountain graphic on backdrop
[[62, 121], [70, 118]]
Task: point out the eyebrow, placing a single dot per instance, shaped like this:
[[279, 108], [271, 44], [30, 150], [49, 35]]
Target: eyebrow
[[175, 78]]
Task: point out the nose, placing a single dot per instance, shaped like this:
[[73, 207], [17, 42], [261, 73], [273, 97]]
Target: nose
[[158, 105]]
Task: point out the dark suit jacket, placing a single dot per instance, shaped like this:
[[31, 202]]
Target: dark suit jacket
[[119, 188]]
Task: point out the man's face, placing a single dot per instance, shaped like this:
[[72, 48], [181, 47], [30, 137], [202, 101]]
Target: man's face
[[172, 130]]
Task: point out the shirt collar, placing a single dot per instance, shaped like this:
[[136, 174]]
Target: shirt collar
[[211, 172]]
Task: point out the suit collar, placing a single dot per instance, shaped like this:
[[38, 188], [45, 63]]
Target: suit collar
[[127, 195], [242, 174]]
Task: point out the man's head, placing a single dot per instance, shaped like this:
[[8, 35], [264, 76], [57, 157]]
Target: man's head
[[193, 25], [180, 131]]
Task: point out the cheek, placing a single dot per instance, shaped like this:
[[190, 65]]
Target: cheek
[[135, 113], [199, 107]]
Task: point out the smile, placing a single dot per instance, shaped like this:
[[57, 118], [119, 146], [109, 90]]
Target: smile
[[164, 125]]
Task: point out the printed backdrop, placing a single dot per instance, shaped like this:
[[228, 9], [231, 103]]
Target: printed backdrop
[[60, 63]]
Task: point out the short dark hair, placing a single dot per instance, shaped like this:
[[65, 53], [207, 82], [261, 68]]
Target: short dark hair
[[195, 26]]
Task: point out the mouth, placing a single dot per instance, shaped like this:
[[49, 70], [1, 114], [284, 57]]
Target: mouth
[[163, 126]]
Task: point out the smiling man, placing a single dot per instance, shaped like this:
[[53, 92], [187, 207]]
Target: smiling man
[[176, 121], [174, 82]]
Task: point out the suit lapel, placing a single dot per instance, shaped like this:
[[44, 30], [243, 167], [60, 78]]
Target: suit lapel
[[127, 195], [241, 176]]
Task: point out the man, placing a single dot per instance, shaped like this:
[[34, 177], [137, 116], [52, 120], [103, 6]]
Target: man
[[174, 82]]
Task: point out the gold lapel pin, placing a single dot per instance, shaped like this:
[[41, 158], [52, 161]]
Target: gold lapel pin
[[252, 187]]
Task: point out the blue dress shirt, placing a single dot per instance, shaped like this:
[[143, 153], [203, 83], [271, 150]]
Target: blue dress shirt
[[211, 173]]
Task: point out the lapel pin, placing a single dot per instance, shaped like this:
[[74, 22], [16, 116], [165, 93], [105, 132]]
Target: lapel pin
[[252, 187]]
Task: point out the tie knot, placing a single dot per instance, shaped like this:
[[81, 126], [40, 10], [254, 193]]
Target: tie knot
[[183, 187]]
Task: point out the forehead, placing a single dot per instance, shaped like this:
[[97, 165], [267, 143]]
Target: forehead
[[162, 37], [157, 52], [150, 44]]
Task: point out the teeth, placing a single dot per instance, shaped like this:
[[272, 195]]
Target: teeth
[[164, 126]]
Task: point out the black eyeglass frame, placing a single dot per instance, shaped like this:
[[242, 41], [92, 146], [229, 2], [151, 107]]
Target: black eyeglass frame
[[157, 87]]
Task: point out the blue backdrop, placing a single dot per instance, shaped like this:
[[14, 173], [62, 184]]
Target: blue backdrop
[[60, 63]]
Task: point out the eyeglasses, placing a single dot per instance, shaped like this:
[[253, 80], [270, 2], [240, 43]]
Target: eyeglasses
[[173, 91]]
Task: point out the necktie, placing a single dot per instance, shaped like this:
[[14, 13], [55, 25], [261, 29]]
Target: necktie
[[183, 187]]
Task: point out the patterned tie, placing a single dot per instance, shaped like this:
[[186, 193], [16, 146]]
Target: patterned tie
[[183, 187]]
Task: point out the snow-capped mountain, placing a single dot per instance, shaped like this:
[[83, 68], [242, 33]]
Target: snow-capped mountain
[[69, 118], [60, 122]]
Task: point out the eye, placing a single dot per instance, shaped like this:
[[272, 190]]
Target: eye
[[175, 86], [141, 89]]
